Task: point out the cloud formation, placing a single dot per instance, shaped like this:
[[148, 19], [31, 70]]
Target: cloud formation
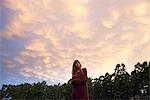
[[49, 35]]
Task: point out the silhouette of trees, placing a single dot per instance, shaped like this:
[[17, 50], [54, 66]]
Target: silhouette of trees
[[121, 83], [118, 85], [141, 79]]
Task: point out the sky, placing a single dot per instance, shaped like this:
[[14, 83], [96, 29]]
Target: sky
[[39, 40]]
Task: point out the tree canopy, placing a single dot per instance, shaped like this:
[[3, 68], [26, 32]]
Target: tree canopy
[[119, 85]]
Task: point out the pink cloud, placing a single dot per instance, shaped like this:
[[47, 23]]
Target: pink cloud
[[98, 33]]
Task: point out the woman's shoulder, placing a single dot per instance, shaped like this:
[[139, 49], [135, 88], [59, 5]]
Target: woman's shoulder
[[84, 69]]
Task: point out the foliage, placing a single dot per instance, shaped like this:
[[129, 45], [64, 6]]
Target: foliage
[[119, 85]]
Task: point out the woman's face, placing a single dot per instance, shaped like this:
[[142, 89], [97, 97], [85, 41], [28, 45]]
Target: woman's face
[[77, 64]]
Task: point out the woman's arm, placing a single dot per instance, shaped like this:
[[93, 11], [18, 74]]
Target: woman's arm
[[84, 77], [81, 80], [76, 81]]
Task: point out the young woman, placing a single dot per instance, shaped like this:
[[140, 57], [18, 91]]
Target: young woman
[[79, 82]]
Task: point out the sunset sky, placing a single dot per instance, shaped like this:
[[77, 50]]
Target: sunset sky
[[40, 39]]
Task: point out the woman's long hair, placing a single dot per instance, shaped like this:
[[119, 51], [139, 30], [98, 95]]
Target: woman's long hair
[[74, 68]]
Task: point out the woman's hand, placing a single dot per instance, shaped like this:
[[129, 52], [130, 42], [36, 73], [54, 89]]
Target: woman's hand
[[75, 81], [78, 81]]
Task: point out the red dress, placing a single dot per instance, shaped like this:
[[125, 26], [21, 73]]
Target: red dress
[[80, 85]]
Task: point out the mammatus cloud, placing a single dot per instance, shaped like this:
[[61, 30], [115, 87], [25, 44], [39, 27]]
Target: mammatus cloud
[[52, 34]]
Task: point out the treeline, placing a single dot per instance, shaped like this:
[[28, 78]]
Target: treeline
[[119, 85]]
